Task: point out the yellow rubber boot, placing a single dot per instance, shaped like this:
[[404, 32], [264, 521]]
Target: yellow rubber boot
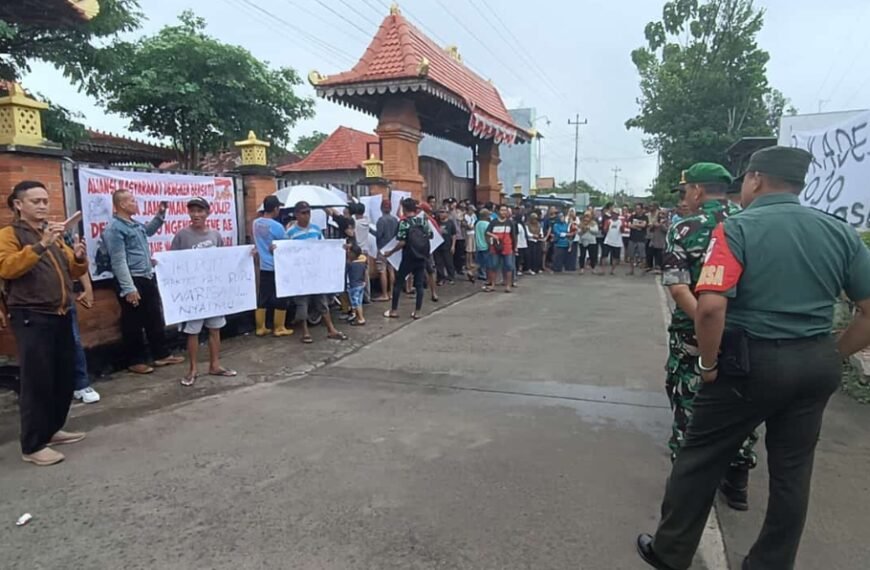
[[280, 318], [260, 320]]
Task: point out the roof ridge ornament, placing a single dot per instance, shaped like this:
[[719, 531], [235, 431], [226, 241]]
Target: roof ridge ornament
[[394, 9], [453, 52], [314, 78], [423, 67]]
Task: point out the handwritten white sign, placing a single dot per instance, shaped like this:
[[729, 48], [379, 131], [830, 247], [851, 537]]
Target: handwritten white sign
[[838, 181], [308, 267], [210, 282]]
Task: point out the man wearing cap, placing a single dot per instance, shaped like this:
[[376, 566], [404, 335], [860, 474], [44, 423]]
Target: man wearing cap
[[303, 229], [764, 319], [266, 230], [127, 243], [703, 188], [199, 236]]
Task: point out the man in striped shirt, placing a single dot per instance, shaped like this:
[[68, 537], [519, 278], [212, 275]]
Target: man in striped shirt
[[304, 229]]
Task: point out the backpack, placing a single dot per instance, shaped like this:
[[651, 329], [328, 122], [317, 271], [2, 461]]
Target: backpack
[[417, 244]]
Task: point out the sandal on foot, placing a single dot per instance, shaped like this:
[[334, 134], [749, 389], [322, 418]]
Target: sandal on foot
[[189, 380], [358, 324], [225, 372], [391, 315], [415, 316], [307, 339], [337, 335]]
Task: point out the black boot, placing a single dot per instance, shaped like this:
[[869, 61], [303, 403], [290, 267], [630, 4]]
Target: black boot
[[735, 488]]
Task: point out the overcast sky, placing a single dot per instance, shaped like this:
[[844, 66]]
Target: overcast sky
[[580, 53]]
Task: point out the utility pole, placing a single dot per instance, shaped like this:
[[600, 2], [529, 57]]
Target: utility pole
[[616, 171], [576, 123]]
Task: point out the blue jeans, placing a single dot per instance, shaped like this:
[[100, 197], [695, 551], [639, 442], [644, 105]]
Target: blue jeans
[[482, 259], [82, 380]]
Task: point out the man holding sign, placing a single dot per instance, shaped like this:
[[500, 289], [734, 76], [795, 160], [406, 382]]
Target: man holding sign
[[303, 229], [127, 242], [198, 236]]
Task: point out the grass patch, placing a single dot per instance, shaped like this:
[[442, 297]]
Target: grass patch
[[853, 385]]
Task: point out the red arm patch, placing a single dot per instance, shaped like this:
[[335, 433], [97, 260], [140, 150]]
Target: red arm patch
[[721, 270]]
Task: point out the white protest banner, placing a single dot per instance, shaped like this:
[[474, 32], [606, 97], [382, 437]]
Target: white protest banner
[[209, 282], [437, 238], [309, 266], [396, 197], [395, 259], [373, 207], [838, 181], [151, 188]]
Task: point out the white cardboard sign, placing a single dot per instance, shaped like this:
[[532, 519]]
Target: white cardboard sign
[[309, 267], [209, 282]]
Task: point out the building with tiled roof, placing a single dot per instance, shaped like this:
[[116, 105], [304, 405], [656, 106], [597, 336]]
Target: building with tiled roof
[[402, 59], [344, 149], [338, 160], [415, 87]]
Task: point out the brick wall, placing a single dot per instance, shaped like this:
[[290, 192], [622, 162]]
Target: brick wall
[[257, 187], [99, 325]]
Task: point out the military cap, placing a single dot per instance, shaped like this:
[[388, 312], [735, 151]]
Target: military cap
[[707, 173], [783, 162]]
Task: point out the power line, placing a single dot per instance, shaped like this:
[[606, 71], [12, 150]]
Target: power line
[[271, 21], [343, 17], [310, 37], [312, 13], [516, 42], [358, 13], [478, 40]]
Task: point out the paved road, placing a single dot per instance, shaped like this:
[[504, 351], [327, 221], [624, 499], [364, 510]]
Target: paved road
[[518, 431]]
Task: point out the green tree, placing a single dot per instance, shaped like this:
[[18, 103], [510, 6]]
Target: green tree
[[703, 85], [78, 49], [61, 125], [306, 144], [200, 93], [596, 197]]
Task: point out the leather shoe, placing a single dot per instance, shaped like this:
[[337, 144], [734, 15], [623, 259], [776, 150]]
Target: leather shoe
[[44, 457], [646, 552]]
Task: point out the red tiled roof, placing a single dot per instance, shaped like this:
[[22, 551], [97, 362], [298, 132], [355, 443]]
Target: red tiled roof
[[396, 53], [345, 149]]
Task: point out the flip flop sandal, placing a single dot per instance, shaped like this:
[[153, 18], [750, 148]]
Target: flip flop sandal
[[307, 339], [391, 315], [435, 299], [225, 372], [358, 324], [416, 317], [188, 380], [337, 336]]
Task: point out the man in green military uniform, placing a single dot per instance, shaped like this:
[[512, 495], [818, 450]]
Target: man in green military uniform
[[763, 321], [704, 188]]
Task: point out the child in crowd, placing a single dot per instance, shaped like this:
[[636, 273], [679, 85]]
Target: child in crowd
[[357, 272]]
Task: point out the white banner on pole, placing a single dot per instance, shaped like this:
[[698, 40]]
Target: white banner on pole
[[151, 188], [838, 181], [209, 282], [308, 267]]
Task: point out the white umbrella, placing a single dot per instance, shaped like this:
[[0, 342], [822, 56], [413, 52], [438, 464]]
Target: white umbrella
[[316, 196]]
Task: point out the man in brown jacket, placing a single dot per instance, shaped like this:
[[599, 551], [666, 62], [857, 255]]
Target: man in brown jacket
[[38, 270]]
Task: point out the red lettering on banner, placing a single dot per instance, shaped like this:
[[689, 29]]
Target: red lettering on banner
[[97, 229]]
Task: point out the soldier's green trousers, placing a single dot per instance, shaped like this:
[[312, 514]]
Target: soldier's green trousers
[[682, 384]]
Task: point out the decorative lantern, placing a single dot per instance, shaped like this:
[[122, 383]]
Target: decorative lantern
[[374, 167], [253, 150], [20, 118]]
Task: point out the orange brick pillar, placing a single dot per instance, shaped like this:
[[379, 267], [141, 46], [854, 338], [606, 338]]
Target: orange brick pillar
[[488, 187], [259, 182], [399, 130]]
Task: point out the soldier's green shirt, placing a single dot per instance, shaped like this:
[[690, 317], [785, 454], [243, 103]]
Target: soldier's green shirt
[[685, 247], [783, 265]]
